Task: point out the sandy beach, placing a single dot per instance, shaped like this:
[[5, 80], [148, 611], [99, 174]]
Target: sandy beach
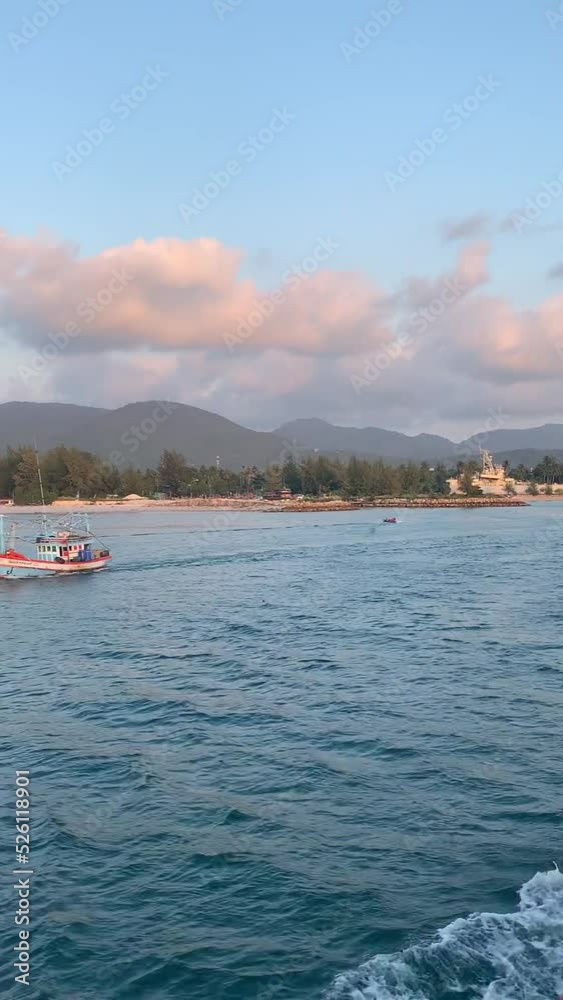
[[253, 504], [131, 506]]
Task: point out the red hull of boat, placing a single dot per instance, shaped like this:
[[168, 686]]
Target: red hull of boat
[[17, 561]]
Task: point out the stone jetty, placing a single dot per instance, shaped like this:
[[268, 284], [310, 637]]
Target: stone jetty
[[314, 506]]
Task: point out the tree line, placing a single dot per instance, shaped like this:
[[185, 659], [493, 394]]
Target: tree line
[[69, 472], [549, 471]]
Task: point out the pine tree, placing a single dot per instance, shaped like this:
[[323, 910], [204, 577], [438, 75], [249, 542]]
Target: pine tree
[[172, 473]]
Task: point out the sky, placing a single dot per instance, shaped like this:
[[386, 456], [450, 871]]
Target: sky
[[286, 209]]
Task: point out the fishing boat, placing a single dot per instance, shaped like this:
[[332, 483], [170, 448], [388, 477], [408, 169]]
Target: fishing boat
[[64, 546], [71, 549]]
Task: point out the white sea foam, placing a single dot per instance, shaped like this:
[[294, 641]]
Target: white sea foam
[[488, 956]]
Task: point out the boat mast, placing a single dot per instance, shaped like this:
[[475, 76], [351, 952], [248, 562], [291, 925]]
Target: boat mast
[[44, 515]]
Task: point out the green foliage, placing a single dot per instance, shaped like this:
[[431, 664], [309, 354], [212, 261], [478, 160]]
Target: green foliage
[[8, 468], [521, 474], [68, 472], [440, 484], [533, 489], [472, 466], [291, 475], [548, 471], [172, 473], [466, 481], [274, 478]]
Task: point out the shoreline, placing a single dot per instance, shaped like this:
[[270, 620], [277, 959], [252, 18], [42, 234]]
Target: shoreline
[[273, 506]]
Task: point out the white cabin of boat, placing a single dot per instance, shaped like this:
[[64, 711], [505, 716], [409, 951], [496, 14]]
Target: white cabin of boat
[[68, 547]]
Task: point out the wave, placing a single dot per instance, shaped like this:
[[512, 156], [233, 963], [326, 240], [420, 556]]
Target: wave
[[487, 956]]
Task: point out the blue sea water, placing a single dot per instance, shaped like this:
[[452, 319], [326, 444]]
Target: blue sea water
[[292, 756]]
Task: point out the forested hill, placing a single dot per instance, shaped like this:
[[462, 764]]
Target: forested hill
[[138, 433]]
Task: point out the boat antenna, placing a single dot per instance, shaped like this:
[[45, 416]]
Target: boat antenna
[[44, 516]]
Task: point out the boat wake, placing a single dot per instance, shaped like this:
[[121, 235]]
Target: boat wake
[[488, 956]]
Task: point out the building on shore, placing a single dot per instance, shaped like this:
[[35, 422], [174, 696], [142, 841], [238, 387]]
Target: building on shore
[[283, 494]]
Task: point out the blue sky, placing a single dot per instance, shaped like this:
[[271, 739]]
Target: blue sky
[[228, 70]]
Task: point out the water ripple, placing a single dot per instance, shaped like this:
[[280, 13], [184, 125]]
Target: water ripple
[[265, 755]]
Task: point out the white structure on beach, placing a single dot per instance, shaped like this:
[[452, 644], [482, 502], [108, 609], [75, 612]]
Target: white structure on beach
[[491, 479]]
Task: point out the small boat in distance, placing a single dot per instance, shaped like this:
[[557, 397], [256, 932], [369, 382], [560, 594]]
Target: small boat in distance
[[71, 549], [389, 520]]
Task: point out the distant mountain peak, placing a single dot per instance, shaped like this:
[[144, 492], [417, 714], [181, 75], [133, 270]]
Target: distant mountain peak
[[202, 436]]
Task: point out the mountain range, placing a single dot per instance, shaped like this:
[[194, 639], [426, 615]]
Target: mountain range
[[137, 434], [527, 446]]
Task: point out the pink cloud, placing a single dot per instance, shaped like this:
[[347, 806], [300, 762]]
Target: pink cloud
[[172, 294], [164, 333], [492, 341]]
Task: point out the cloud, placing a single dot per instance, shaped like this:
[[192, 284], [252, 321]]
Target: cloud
[[494, 343], [469, 272], [171, 294], [472, 227], [556, 271], [161, 334]]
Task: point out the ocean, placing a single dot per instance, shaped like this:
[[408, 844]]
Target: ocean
[[291, 757]]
